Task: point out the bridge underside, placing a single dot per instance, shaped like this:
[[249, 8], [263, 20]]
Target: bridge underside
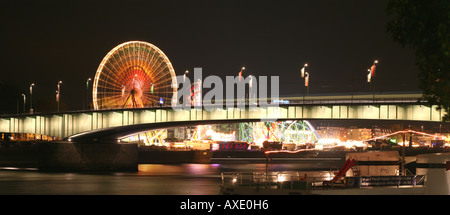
[[69, 123]]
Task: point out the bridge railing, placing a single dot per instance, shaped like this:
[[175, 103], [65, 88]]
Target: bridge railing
[[64, 124]]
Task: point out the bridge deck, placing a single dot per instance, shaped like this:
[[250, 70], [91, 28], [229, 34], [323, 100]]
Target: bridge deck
[[64, 124]]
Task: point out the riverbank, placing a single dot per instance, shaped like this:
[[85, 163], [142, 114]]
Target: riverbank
[[27, 155]]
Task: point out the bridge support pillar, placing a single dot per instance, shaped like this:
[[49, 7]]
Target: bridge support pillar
[[87, 157]]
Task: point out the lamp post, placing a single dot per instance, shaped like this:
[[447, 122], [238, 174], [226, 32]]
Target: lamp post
[[305, 74], [57, 101], [240, 73], [369, 79], [31, 97], [151, 91], [303, 70], [24, 101], [250, 88], [371, 75], [239, 102], [58, 93], [185, 97], [184, 76], [87, 92], [307, 82]]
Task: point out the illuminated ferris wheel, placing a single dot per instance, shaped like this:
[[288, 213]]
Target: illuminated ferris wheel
[[134, 74]]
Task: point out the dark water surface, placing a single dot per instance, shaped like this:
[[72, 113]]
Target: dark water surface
[[151, 179]]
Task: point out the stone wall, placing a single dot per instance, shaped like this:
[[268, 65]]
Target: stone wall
[[91, 157]]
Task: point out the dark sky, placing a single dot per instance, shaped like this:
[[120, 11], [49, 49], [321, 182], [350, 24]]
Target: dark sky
[[47, 41]]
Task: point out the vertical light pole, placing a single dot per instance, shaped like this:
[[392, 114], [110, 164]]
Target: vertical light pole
[[303, 70], [58, 94], [186, 97], [240, 73], [57, 101], [184, 76], [307, 82], [87, 92], [403, 154], [31, 97], [250, 86], [183, 99], [305, 74], [239, 102], [151, 91], [370, 76], [198, 93], [24, 101], [369, 80]]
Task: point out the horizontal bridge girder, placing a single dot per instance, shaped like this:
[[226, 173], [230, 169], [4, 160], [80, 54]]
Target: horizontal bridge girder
[[65, 124]]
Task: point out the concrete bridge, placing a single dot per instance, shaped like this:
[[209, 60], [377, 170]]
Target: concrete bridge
[[365, 107]]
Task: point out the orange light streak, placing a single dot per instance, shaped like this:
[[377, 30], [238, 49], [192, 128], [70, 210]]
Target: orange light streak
[[297, 151], [406, 131]]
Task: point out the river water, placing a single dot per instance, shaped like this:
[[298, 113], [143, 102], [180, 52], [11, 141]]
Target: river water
[[151, 179]]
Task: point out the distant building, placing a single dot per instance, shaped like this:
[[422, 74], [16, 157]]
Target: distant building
[[331, 132], [180, 133], [358, 134], [351, 134]]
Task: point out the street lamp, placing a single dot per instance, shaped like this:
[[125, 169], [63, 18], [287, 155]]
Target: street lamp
[[185, 97], [24, 101], [250, 88], [307, 82], [370, 75], [184, 76], [305, 74], [240, 73], [87, 92], [58, 93], [31, 97], [303, 70], [239, 102], [57, 101]]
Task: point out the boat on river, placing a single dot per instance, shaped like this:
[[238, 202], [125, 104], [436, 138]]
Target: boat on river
[[363, 173]]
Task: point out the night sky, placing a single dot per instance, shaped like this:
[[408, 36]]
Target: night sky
[[48, 41]]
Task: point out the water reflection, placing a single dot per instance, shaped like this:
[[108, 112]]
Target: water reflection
[[151, 179], [179, 169]]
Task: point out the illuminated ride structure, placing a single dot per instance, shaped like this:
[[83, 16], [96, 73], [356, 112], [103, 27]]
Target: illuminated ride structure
[[134, 74], [256, 133], [410, 132], [148, 138], [297, 132]]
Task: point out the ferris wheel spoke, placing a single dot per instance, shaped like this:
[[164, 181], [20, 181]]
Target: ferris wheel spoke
[[163, 77], [114, 66], [160, 68], [162, 89], [110, 85], [109, 72], [115, 62], [154, 59]]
